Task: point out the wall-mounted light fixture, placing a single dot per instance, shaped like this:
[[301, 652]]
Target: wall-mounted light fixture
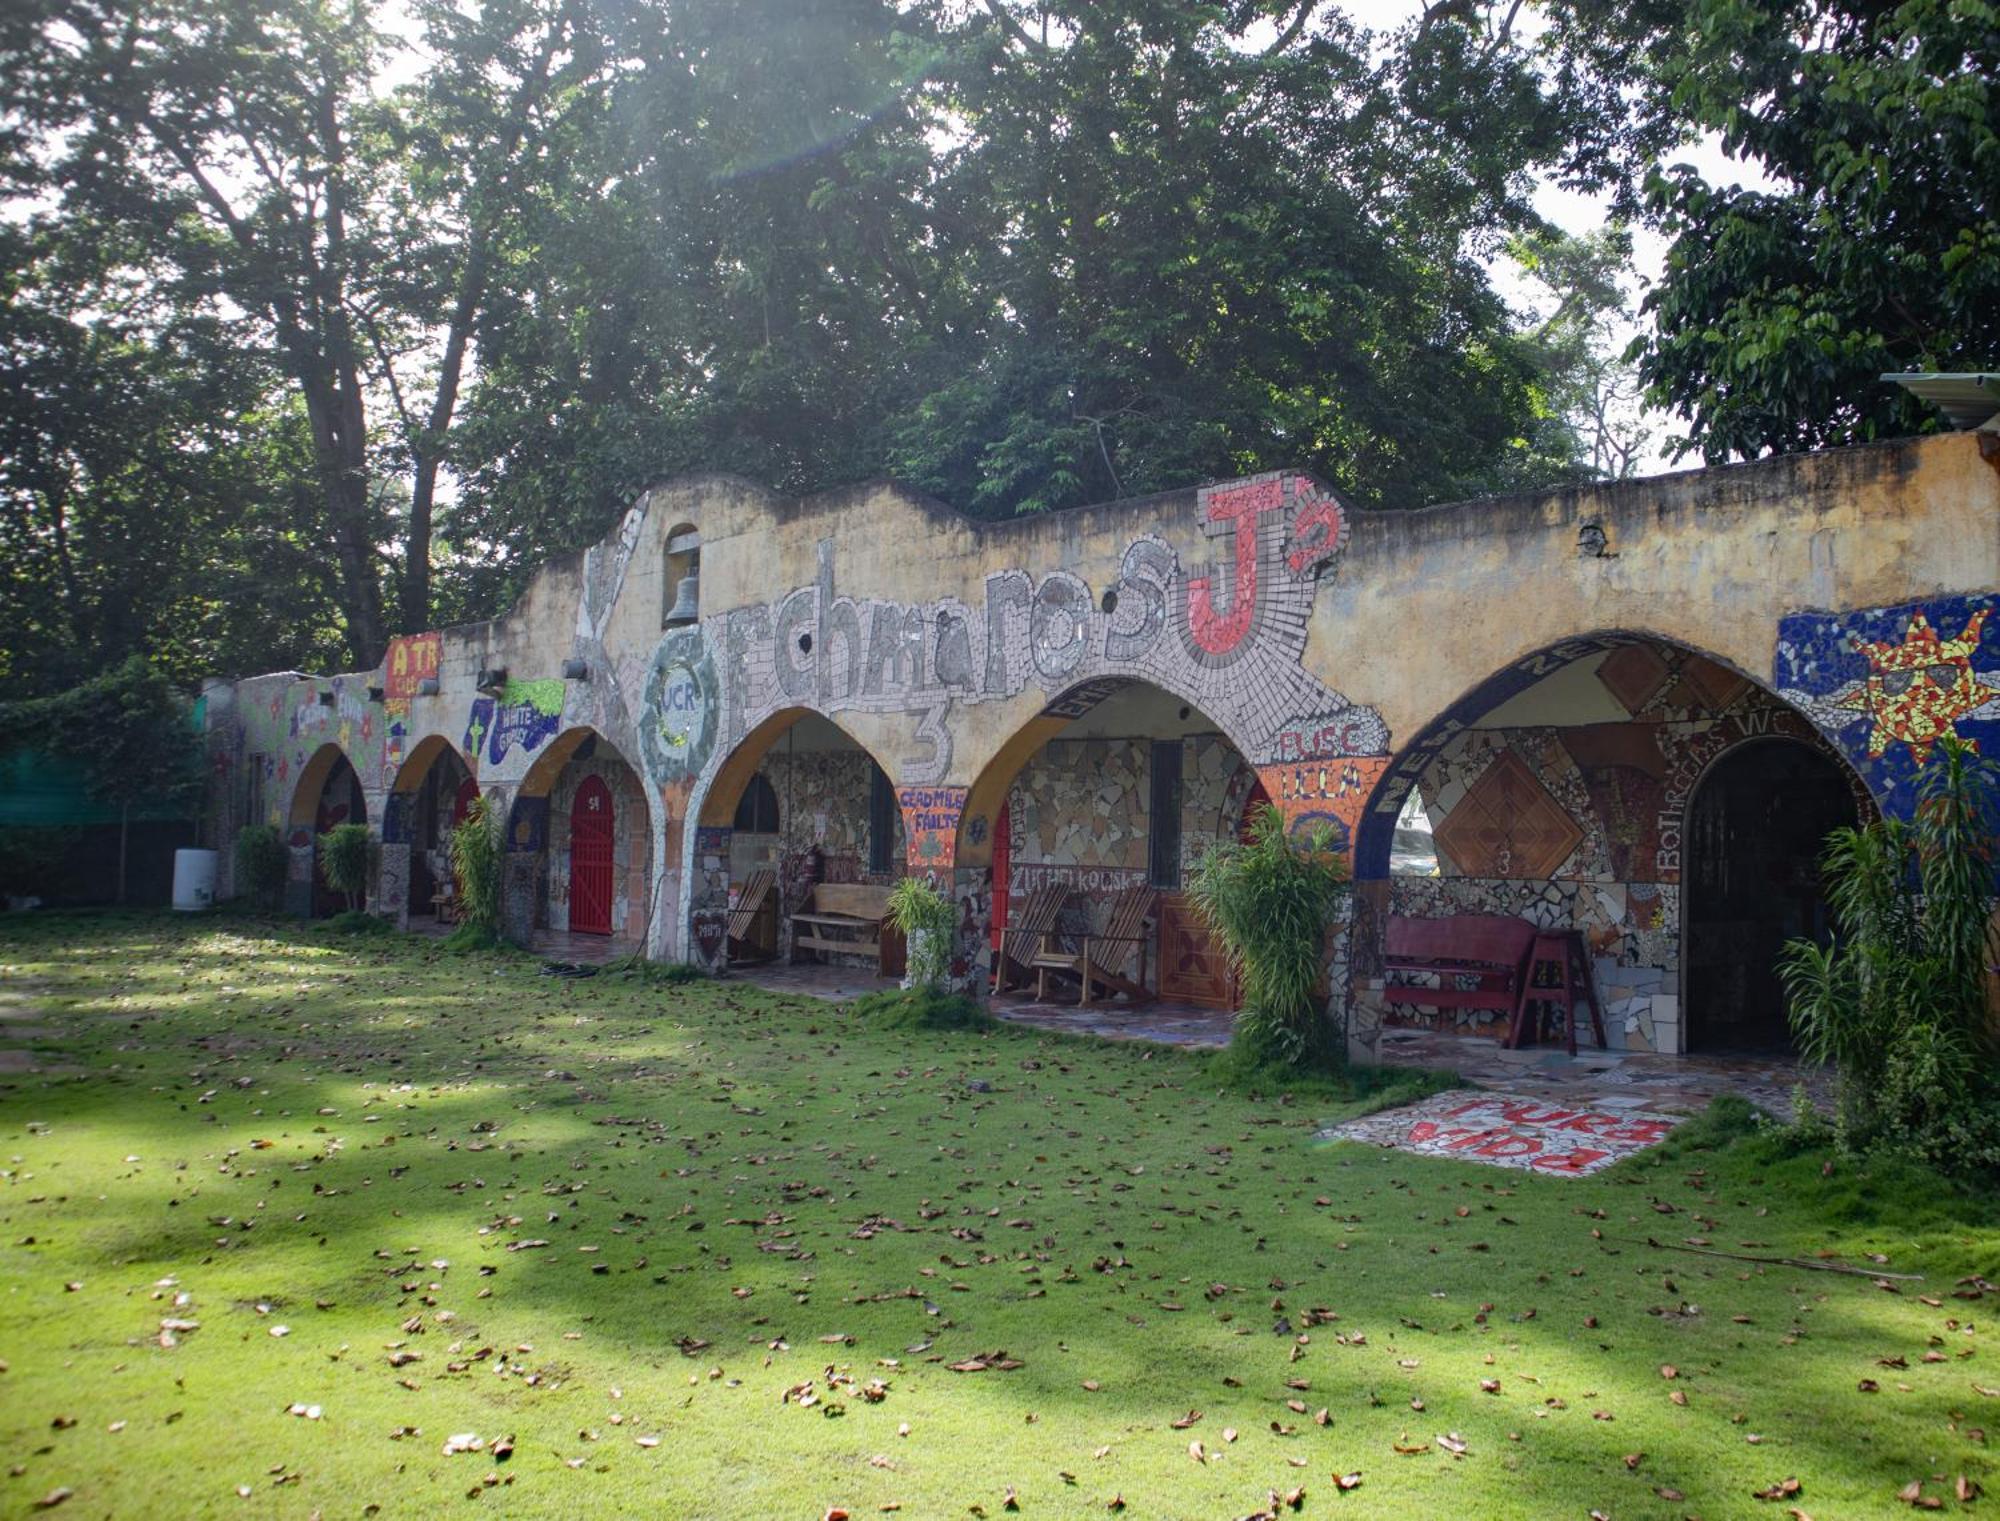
[[326, 699], [375, 694], [576, 670], [428, 687], [1592, 543], [492, 682]]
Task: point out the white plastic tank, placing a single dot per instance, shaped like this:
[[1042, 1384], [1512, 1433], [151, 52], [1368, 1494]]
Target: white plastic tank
[[194, 880]]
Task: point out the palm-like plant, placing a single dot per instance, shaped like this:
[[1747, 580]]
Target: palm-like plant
[[1269, 901], [1897, 1001], [476, 864]]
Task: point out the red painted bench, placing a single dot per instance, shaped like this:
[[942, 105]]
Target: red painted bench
[[1481, 961]]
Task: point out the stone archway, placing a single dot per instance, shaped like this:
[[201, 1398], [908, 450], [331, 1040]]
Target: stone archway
[[1558, 790], [536, 877], [1115, 785], [836, 816], [328, 794], [427, 797]]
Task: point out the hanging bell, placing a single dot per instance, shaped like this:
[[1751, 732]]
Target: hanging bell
[[687, 600]]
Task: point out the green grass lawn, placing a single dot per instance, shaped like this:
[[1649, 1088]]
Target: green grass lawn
[[702, 1251]]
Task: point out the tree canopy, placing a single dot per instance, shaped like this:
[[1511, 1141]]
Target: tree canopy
[[330, 319], [1876, 246]]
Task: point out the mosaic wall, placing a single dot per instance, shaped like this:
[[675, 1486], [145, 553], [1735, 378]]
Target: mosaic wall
[[822, 805], [1888, 683], [1226, 637], [1078, 814]]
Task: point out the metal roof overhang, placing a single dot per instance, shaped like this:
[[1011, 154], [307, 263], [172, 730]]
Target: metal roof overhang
[[1970, 400]]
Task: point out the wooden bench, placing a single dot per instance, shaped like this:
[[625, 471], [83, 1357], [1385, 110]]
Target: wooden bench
[[849, 919], [1099, 962], [753, 922], [1481, 961]]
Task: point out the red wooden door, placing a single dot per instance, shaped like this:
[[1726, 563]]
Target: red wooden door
[[1003, 864], [1253, 806], [590, 858], [462, 801]]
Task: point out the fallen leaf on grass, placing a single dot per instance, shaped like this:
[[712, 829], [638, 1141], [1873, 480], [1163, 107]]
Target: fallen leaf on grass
[[1784, 1489], [1347, 1481], [984, 1361], [1182, 1423]]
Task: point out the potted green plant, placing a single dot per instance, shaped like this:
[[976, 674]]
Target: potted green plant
[[929, 922]]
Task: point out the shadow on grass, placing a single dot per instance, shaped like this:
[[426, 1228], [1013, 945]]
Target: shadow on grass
[[1110, 1213]]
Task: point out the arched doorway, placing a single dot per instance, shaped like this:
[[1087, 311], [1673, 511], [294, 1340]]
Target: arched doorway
[[575, 769], [1756, 827], [432, 791], [328, 795], [1106, 797], [798, 802], [590, 850]]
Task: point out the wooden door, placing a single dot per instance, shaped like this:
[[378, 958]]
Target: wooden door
[[590, 833], [1192, 966], [1756, 826]]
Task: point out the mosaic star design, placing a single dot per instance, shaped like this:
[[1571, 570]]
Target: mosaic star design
[[1917, 689]]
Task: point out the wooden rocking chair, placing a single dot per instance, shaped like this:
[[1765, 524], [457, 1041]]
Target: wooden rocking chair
[[1026, 935], [1100, 960], [753, 923]]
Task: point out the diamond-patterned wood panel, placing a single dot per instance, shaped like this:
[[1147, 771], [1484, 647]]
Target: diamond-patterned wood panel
[[1634, 674], [1715, 687], [1508, 825], [1193, 968]]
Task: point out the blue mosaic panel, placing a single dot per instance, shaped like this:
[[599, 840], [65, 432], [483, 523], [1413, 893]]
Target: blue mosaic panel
[[1886, 684]]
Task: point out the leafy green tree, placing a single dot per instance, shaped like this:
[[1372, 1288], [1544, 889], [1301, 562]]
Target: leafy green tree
[[247, 161], [128, 734], [152, 491], [1877, 248], [1022, 257], [1577, 336]]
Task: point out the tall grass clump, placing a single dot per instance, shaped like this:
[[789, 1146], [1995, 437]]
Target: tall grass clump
[[1269, 902], [476, 860]]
